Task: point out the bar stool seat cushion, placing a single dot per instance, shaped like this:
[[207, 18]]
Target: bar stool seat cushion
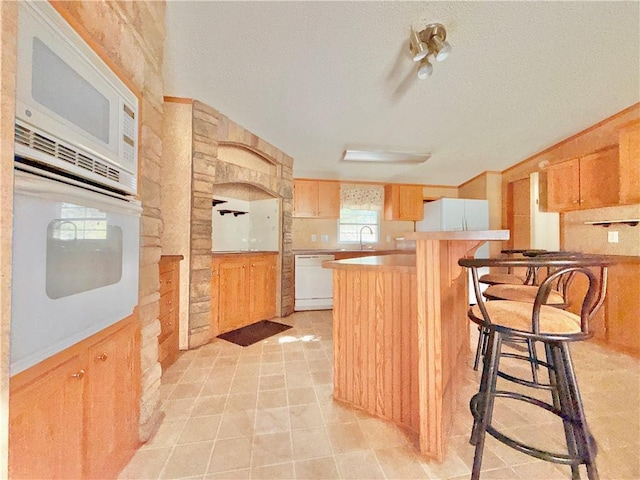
[[517, 316], [522, 293], [499, 278]]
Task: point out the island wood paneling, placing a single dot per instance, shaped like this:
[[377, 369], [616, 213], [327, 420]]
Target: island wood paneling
[[401, 333], [375, 347]]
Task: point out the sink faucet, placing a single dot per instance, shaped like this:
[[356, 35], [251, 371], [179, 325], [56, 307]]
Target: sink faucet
[[370, 231]]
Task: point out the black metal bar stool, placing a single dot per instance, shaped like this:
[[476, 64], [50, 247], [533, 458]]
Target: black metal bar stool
[[510, 278], [558, 297], [502, 281], [507, 320]]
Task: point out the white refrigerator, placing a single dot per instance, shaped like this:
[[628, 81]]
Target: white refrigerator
[[451, 214]]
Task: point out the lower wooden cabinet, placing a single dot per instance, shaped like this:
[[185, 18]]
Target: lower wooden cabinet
[[169, 309], [622, 306], [616, 323], [75, 415], [46, 424], [243, 290], [262, 288]]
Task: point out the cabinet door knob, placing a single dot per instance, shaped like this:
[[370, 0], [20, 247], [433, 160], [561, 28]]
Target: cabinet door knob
[[78, 374], [102, 357]]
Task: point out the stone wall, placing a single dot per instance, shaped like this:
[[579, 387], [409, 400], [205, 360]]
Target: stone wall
[[130, 37], [205, 151], [208, 130], [281, 184]]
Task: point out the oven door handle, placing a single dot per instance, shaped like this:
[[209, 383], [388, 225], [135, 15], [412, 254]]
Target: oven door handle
[[55, 190]]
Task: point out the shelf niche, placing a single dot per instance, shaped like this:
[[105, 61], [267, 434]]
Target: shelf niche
[[632, 222]]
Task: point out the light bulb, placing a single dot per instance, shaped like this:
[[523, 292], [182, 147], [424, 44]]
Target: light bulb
[[425, 69], [440, 47], [417, 48]]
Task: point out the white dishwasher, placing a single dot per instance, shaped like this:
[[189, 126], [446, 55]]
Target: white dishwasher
[[314, 284]]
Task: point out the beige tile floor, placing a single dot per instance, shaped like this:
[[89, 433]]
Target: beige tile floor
[[266, 412]]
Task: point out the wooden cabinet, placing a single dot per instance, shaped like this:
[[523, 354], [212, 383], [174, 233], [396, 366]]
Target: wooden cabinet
[[75, 415], [233, 305], [563, 186], [622, 305], [243, 290], [316, 199], [591, 181], [403, 202], [262, 288], [46, 423], [616, 323], [169, 309], [111, 411], [629, 146]]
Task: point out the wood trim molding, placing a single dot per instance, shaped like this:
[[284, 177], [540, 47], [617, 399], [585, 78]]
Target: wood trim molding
[[97, 48], [187, 101]]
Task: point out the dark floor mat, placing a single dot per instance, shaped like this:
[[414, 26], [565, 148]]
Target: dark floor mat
[[253, 333]]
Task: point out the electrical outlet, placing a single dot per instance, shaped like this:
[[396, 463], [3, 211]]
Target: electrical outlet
[[314, 237], [324, 238], [612, 237], [388, 238]]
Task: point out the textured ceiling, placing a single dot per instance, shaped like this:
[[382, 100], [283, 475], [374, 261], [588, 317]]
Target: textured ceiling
[[315, 78]]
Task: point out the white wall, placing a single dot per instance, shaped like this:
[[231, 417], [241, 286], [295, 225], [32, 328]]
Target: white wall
[[264, 229], [258, 229]]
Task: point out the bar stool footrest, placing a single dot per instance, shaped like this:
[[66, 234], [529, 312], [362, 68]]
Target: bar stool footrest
[[560, 458], [522, 381]]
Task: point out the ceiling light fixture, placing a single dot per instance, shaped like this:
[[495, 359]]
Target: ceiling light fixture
[[384, 156], [425, 69], [434, 37], [418, 49]]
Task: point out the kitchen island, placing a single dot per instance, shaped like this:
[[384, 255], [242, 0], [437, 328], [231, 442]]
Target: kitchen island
[[401, 333]]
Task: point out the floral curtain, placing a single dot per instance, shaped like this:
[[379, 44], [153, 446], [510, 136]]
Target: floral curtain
[[362, 197]]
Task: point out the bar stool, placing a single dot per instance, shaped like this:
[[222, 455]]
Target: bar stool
[[558, 296], [511, 278], [507, 320]]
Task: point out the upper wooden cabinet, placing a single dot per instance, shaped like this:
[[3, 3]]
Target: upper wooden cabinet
[[403, 202], [629, 145], [591, 181], [316, 199]]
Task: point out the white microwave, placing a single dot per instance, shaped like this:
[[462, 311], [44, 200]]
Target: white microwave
[[73, 114]]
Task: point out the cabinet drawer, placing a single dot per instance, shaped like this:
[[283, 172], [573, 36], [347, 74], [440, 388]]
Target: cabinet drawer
[[168, 281], [167, 325], [168, 303]]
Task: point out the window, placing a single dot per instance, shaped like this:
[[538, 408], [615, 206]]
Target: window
[[360, 207], [357, 223]]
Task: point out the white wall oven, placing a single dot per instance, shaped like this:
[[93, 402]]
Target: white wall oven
[[76, 227]]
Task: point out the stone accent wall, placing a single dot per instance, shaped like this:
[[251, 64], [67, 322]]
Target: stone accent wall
[[280, 185], [205, 151], [210, 129], [130, 36], [207, 130]]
